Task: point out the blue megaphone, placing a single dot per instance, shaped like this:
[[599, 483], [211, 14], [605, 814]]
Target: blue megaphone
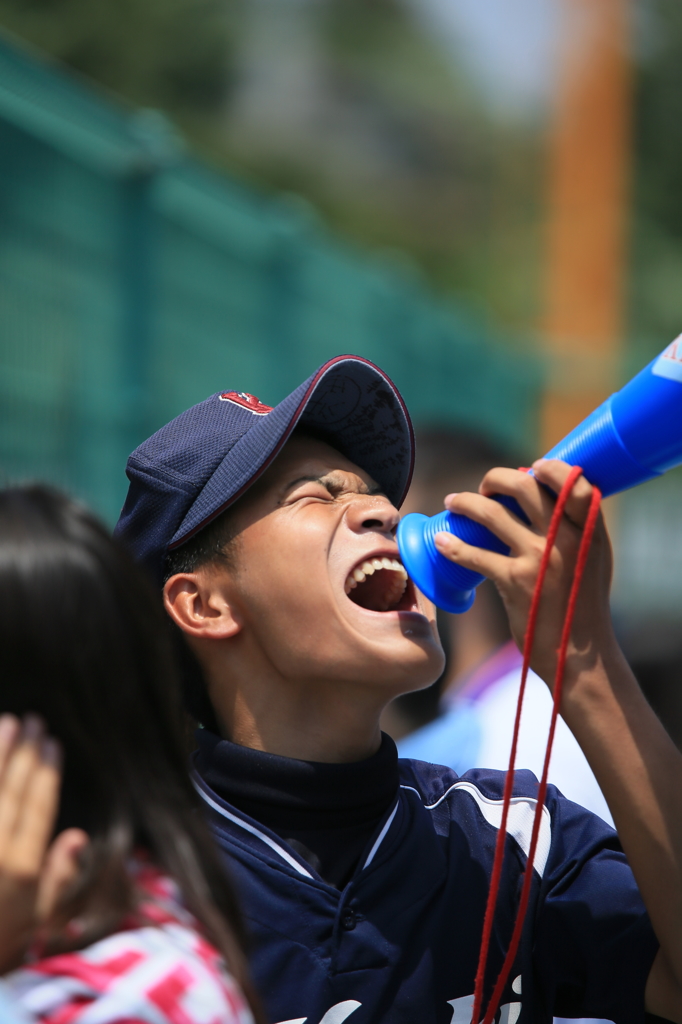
[[635, 435]]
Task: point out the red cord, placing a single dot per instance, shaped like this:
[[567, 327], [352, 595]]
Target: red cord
[[509, 781], [495, 879]]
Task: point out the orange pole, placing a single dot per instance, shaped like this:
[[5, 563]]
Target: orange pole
[[588, 172]]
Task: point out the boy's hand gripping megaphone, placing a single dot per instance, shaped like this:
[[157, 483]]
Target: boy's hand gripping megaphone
[[635, 435]]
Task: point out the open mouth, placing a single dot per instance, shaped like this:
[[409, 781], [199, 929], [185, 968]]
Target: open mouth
[[378, 584]]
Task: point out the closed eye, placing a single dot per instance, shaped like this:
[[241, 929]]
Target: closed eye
[[309, 489], [326, 488]]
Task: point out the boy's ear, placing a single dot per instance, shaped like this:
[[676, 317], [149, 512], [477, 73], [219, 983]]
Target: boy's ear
[[198, 604]]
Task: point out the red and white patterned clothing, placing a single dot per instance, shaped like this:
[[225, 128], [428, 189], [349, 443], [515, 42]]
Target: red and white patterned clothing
[[156, 970]]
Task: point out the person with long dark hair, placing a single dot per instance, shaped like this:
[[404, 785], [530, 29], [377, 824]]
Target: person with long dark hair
[[130, 908]]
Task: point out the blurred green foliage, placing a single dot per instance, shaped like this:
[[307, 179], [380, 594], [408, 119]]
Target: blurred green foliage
[[401, 151], [466, 203], [168, 53], [658, 137], [656, 277], [455, 189]]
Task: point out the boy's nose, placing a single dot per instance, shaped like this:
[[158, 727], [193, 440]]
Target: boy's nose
[[374, 513]]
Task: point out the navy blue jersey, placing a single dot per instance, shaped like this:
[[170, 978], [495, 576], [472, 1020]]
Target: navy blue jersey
[[399, 944]]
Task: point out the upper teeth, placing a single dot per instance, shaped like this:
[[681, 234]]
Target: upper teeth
[[368, 568]]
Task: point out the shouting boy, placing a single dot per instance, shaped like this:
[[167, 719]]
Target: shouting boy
[[364, 878]]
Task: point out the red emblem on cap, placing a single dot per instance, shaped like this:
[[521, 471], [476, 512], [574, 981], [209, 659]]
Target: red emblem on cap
[[246, 401]]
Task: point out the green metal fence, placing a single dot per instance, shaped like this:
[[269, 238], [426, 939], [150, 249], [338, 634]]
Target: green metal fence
[[134, 281]]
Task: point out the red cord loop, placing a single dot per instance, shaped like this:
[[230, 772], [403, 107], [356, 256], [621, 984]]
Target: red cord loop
[[495, 878]]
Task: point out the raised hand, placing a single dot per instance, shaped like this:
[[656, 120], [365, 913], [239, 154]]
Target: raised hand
[[31, 875], [515, 575]]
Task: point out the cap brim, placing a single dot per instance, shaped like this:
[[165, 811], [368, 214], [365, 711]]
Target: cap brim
[[351, 404]]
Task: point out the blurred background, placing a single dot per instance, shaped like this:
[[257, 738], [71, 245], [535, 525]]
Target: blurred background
[[482, 196]]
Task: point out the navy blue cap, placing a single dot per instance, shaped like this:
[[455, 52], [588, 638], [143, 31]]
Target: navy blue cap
[[195, 467]]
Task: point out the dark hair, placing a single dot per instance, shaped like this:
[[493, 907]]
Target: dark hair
[[215, 543], [84, 644]]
